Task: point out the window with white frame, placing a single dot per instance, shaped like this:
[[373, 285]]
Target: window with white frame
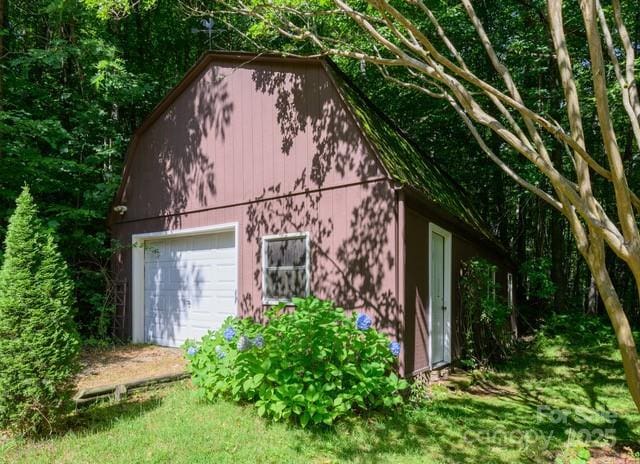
[[286, 267]]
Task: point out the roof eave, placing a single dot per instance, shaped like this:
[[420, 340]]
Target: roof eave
[[468, 230]]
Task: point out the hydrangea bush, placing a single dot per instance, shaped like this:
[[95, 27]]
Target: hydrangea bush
[[314, 364]]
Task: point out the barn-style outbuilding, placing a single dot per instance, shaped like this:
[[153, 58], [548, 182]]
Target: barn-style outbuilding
[[259, 178]]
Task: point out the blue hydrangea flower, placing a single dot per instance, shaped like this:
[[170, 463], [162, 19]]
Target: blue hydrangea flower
[[394, 347], [363, 322], [244, 343], [258, 341], [220, 352], [192, 351], [229, 333]]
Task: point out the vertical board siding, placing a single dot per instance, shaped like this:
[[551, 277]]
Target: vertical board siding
[[352, 265], [417, 281], [417, 291], [241, 133], [271, 147]]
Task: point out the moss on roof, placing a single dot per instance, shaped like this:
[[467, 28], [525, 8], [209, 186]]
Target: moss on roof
[[404, 162]]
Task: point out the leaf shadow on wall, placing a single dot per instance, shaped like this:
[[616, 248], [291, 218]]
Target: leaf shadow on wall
[[351, 228], [179, 174]]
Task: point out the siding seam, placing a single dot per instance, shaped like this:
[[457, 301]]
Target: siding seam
[[258, 200]]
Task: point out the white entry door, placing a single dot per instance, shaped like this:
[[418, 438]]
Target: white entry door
[[189, 286], [440, 296]]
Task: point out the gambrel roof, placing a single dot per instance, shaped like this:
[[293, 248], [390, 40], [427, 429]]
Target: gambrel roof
[[403, 162]]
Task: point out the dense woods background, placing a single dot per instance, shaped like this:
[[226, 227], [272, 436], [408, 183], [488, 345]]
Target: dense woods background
[[78, 77]]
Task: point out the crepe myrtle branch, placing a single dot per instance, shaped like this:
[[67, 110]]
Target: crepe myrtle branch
[[440, 94], [627, 89], [500, 163], [437, 72], [454, 52], [459, 71], [629, 57], [440, 71], [514, 103], [623, 204], [479, 139], [504, 73], [434, 71]]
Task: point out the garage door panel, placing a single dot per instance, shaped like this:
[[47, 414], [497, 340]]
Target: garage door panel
[[190, 286]]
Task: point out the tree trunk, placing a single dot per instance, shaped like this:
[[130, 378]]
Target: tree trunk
[[627, 347], [558, 262], [3, 22], [596, 261], [591, 306], [521, 247], [541, 229], [501, 207]]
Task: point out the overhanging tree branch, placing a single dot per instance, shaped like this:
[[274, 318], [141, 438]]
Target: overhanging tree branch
[[400, 43]]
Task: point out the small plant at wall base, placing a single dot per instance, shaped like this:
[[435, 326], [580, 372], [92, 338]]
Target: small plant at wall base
[[484, 318], [313, 365], [38, 337]]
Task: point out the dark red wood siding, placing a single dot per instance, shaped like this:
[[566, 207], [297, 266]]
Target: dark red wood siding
[[270, 145], [464, 247]]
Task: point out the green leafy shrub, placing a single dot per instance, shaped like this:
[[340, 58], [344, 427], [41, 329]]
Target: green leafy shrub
[[486, 336], [577, 328], [537, 273], [38, 337], [313, 364]]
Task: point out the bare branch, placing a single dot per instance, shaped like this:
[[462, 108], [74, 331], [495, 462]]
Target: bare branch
[[625, 87], [629, 58], [501, 164], [618, 177]]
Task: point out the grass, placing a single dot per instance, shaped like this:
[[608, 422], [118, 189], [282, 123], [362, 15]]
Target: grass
[[490, 417]]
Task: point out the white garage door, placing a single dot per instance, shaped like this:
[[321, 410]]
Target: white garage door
[[189, 286]]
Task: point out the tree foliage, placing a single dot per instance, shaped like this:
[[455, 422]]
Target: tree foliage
[[484, 316], [74, 88], [38, 336]]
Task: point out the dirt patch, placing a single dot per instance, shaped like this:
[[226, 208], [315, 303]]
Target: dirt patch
[[127, 363], [616, 455]]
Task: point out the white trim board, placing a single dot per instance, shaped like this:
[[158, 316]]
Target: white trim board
[[448, 270], [137, 268]]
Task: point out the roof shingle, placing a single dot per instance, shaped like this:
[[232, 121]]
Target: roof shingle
[[403, 161]]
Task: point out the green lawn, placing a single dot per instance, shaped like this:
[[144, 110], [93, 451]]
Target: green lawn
[[490, 418]]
